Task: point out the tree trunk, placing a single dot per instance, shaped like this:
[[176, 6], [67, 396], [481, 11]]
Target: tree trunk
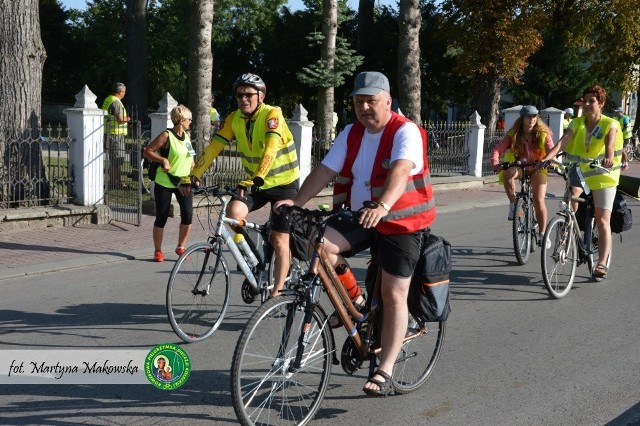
[[22, 56], [487, 98], [327, 54], [409, 85], [365, 38], [137, 59], [200, 71]]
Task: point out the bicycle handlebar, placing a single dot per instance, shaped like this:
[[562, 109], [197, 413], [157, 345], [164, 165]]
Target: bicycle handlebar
[[507, 165], [561, 168]]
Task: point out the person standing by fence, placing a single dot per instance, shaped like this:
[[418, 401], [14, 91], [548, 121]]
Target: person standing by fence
[[115, 131]]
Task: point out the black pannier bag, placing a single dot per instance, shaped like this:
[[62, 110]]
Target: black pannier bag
[[621, 217], [429, 290]]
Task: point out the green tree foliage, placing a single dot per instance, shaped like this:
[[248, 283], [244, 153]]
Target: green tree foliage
[[60, 75], [318, 74], [543, 51]]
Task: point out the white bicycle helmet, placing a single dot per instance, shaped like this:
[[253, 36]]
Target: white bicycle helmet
[[252, 80]]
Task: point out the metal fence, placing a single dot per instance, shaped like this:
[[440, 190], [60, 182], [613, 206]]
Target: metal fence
[[124, 178], [491, 139], [36, 170], [448, 151], [227, 168]]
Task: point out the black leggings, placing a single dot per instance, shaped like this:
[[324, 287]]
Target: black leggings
[[163, 203]]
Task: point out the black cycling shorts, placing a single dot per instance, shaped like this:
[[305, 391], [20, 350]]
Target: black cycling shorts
[[397, 254], [257, 200]]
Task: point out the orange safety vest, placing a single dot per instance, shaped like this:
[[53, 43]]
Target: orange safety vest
[[415, 209]]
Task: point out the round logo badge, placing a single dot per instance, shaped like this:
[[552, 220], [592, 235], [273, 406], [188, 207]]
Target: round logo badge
[[386, 163], [167, 366]]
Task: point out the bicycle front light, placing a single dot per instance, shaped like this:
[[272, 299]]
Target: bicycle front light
[[563, 205]]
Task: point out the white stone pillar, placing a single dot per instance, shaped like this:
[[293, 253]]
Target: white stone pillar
[[510, 116], [553, 117], [161, 119], [86, 152], [302, 130], [475, 142]]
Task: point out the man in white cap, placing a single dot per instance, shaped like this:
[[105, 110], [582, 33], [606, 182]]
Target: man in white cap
[[627, 134], [379, 161]]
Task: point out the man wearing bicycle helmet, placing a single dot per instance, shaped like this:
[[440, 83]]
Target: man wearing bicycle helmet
[[381, 157], [268, 156]]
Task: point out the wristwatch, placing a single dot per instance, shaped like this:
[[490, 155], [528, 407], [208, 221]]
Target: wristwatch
[[384, 205]]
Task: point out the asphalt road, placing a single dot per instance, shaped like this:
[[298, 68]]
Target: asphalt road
[[512, 355]]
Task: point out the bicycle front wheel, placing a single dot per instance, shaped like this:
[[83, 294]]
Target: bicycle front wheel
[[265, 386], [522, 230], [559, 257], [418, 356], [198, 293]]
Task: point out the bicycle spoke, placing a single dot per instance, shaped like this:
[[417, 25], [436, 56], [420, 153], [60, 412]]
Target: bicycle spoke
[[265, 387], [197, 293]]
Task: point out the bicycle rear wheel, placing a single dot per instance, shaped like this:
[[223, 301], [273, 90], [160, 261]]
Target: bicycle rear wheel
[[264, 388], [594, 257], [522, 230], [559, 257], [418, 357], [198, 293]]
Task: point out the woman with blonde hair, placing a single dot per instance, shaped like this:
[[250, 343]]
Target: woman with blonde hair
[[172, 149], [527, 141]]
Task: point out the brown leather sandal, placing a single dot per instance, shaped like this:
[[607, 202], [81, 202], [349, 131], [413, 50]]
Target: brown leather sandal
[[600, 271], [384, 388]]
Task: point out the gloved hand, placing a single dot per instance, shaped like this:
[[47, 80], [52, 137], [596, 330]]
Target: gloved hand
[[246, 184], [255, 183]]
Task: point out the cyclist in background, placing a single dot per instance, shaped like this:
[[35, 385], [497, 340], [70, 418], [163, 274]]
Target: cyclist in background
[[627, 134], [594, 136], [269, 158], [527, 141]]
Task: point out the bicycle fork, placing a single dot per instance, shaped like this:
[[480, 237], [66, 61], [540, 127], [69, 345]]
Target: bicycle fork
[[312, 297]]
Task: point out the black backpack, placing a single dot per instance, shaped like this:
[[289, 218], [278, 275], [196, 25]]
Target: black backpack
[[152, 166]]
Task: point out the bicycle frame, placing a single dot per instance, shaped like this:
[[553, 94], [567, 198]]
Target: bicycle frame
[[525, 238], [223, 234], [321, 267], [565, 246], [585, 243]]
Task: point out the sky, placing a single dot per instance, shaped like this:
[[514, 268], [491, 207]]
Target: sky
[[295, 4]]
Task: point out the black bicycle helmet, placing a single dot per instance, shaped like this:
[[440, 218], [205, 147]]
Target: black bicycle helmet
[[252, 80]]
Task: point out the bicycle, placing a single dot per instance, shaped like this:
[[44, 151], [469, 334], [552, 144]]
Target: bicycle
[[525, 225], [283, 359], [564, 246], [198, 287]]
